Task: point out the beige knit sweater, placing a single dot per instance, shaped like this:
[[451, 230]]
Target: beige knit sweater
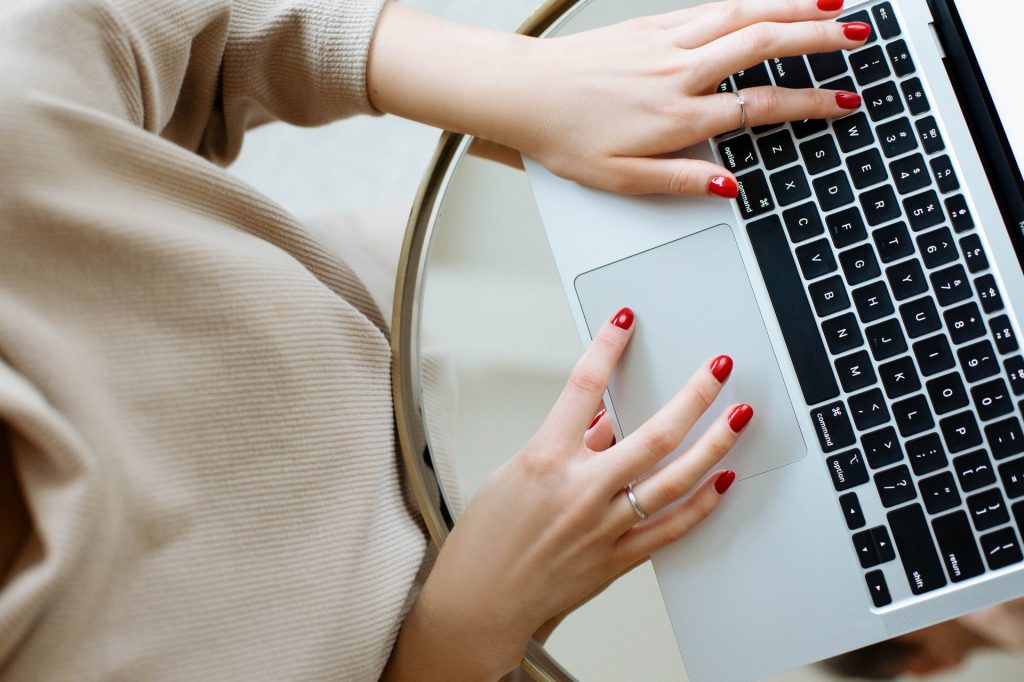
[[198, 475]]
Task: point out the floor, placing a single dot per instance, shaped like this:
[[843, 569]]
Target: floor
[[373, 166]]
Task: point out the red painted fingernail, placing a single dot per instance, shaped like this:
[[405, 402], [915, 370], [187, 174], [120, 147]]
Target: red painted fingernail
[[596, 419], [724, 481], [848, 100], [623, 319], [857, 30], [740, 417], [721, 368], [723, 186], [830, 5]]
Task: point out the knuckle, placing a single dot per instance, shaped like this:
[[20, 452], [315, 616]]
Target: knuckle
[[701, 508], [659, 440], [680, 181], [769, 104], [732, 12], [586, 380], [674, 489], [704, 393], [719, 447], [760, 38]]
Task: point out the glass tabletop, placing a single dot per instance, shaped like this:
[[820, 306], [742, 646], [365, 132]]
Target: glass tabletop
[[484, 342]]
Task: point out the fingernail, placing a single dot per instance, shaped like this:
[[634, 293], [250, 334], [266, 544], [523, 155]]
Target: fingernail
[[830, 5], [623, 319], [721, 368], [724, 481], [857, 30], [725, 187], [848, 100], [596, 419], [740, 417]]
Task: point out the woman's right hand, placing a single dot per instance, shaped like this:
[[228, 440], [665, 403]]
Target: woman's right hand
[[554, 525]]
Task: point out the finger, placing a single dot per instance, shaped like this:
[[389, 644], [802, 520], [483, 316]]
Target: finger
[[643, 540], [582, 395], [676, 18], [768, 104], [730, 17], [760, 42], [666, 487], [662, 433], [680, 177], [600, 436]]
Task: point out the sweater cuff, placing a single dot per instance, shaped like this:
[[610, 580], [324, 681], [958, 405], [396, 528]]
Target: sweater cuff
[[344, 39]]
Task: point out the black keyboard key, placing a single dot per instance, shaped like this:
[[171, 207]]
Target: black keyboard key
[[1012, 475], [978, 361], [934, 355], [874, 546], [951, 285], [873, 302], [931, 138], [820, 154], [816, 259], [878, 588], [844, 84], [959, 214], [964, 323], [923, 210], [827, 65], [803, 222], [869, 65], [885, 20], [852, 511], [897, 137], [947, 393], [790, 185], [1015, 374], [842, 333], [859, 264], [853, 132], [992, 399], [1002, 332], [893, 242], [937, 247], [808, 127], [881, 447], [738, 153], [945, 176], [886, 340], [777, 149], [848, 470], [866, 169], [926, 454], [1005, 438], [987, 509], [754, 196], [855, 371], [900, 59], [913, 416], [846, 227], [974, 253], [920, 317], [1001, 549], [869, 409], [899, 378], [833, 191], [880, 205], [988, 292], [790, 72], [958, 547], [832, 424], [939, 493], [914, 96], [960, 432], [725, 86], [917, 552], [753, 77], [906, 280], [829, 296], [910, 173], [974, 471], [895, 486], [1018, 515], [799, 328], [883, 101]]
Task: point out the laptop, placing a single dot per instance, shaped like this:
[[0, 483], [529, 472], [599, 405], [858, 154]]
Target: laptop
[[869, 284]]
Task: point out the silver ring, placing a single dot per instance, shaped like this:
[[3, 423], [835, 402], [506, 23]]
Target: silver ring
[[743, 110], [636, 505]]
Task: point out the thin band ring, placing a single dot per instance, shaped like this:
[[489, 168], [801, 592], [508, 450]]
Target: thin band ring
[[743, 110], [641, 514]]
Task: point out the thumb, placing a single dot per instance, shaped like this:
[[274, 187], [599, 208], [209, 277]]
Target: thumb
[[679, 177]]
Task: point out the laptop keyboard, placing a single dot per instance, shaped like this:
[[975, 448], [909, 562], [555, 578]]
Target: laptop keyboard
[[897, 327]]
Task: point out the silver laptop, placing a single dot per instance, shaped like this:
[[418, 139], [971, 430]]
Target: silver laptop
[[868, 283]]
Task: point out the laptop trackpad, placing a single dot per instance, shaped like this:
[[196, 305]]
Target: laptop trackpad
[[693, 301]]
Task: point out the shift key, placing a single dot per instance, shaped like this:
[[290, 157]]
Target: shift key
[[917, 551]]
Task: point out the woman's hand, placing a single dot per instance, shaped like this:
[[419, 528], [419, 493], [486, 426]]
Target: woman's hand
[[604, 107], [554, 525]]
